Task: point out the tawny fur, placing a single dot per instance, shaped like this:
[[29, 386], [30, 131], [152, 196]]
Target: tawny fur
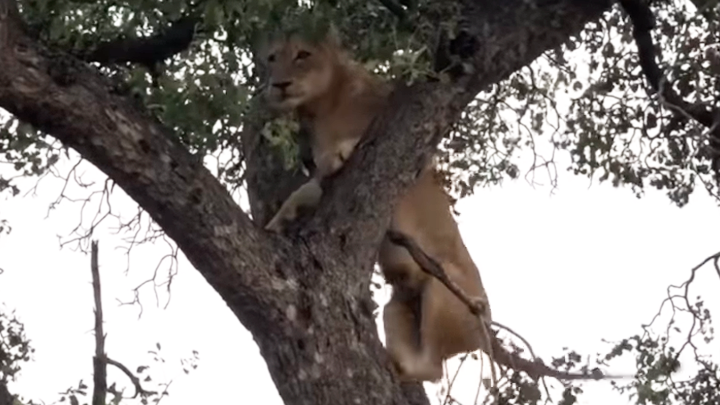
[[338, 99]]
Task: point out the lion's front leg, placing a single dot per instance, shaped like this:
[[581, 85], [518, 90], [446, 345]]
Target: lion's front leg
[[327, 162], [308, 195]]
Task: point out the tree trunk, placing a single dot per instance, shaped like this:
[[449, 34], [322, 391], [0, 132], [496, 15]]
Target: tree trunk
[[5, 397], [305, 298]]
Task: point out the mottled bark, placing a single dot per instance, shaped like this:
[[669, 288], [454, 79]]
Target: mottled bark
[[305, 298]]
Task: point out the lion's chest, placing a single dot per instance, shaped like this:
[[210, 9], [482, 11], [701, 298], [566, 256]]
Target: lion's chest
[[337, 135]]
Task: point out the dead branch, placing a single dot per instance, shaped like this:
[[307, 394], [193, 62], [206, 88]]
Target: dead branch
[[101, 360], [432, 267], [136, 381], [536, 368], [99, 365]]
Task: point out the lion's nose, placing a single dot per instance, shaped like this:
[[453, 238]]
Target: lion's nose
[[281, 85]]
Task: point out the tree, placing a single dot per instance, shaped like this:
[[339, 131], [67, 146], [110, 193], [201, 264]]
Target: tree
[[119, 83]]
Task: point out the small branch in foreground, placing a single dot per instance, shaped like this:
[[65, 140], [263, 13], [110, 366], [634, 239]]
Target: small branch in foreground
[[536, 368], [432, 267], [99, 365], [684, 296]]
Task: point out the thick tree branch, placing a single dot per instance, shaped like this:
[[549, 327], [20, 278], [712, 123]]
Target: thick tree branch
[[313, 324], [643, 22], [146, 51], [71, 101]]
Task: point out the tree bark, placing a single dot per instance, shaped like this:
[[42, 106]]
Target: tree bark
[[305, 297]]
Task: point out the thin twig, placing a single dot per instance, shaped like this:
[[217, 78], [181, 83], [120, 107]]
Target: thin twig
[[101, 360], [136, 381], [527, 344]]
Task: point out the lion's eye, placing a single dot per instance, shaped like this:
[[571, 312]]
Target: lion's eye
[[271, 58], [302, 55]]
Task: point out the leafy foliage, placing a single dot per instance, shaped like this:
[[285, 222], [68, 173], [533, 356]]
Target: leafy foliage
[[14, 346], [610, 128]]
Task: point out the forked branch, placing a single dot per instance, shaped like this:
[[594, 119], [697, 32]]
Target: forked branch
[[100, 360]]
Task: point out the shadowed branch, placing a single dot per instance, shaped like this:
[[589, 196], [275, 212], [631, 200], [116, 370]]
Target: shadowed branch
[[146, 51]]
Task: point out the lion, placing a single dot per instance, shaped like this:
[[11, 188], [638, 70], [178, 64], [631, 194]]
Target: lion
[[425, 323], [337, 99]]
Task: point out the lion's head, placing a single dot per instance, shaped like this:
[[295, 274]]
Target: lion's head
[[300, 70]]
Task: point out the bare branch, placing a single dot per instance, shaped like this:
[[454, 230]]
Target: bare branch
[[699, 322], [99, 365], [136, 381], [535, 369]]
